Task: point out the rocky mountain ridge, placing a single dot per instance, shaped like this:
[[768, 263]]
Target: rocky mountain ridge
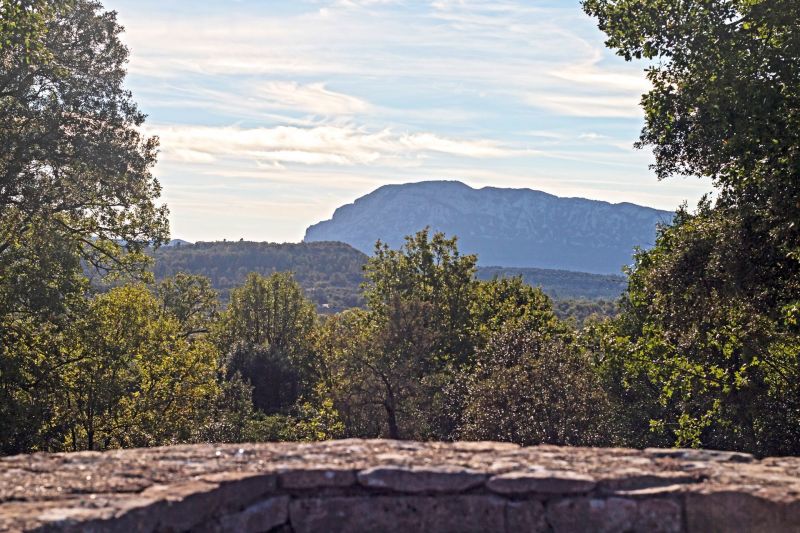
[[505, 227]]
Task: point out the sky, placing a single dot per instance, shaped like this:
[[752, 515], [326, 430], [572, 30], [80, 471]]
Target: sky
[[272, 113]]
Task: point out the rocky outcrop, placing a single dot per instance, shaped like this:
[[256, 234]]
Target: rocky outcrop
[[363, 485]]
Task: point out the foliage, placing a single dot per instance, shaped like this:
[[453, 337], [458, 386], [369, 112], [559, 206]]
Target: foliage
[[266, 334], [582, 311], [429, 270], [377, 370], [707, 318], [75, 186], [703, 349], [330, 273], [191, 301], [23, 29], [532, 387], [135, 381], [73, 157], [562, 284], [501, 302], [40, 294], [708, 333], [398, 368]]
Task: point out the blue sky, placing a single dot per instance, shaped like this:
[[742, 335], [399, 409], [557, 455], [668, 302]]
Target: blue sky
[[272, 113]]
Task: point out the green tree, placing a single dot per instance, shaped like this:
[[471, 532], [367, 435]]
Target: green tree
[[73, 156], [191, 301], [709, 315], [23, 28], [533, 386], [379, 370], [267, 334], [501, 302], [427, 269], [75, 182], [136, 380]]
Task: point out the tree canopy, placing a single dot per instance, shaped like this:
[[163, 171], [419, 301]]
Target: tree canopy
[[73, 154], [711, 311]]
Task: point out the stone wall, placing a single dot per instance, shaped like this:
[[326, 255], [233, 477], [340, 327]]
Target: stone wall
[[363, 485]]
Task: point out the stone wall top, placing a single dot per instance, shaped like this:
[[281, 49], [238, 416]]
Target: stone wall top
[[352, 485]]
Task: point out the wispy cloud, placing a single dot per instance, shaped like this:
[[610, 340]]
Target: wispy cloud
[[312, 103], [312, 97], [320, 145], [594, 106]]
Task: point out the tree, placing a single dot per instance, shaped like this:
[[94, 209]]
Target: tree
[[502, 302], [267, 334], [710, 312], [136, 380], [378, 370], [75, 186], [530, 386], [719, 350], [73, 157], [427, 269], [22, 27], [41, 296], [191, 301]]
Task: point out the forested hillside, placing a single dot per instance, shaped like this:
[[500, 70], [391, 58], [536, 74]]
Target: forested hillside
[[329, 272], [563, 284]]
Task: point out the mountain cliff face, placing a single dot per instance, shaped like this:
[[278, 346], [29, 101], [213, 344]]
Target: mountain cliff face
[[505, 227]]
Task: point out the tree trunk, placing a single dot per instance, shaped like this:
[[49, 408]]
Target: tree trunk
[[391, 418]]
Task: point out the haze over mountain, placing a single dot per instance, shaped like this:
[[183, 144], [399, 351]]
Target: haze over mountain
[[505, 227]]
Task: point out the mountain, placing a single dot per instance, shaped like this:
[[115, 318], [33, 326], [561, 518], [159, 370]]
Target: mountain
[[176, 242], [505, 227]]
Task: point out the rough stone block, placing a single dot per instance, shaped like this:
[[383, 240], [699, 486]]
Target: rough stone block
[[614, 514], [300, 479], [261, 516], [415, 480], [387, 514], [467, 513], [592, 514], [730, 511], [635, 481], [541, 482], [660, 515], [526, 517], [691, 454]]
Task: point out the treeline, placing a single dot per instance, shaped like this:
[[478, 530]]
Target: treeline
[[330, 272], [579, 311], [563, 284], [434, 354]]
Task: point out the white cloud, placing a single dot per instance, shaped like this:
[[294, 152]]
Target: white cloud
[[319, 145], [325, 100], [313, 97], [590, 106]]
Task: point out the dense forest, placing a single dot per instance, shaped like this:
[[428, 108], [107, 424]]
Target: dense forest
[[705, 349]]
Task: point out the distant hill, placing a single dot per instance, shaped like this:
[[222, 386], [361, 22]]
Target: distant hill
[[563, 284], [331, 272], [506, 227]]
